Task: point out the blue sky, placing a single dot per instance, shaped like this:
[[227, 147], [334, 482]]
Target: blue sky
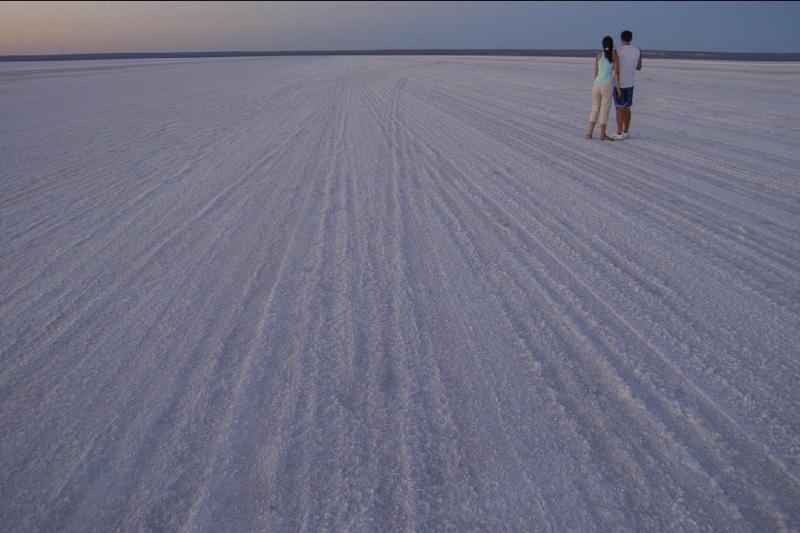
[[75, 27]]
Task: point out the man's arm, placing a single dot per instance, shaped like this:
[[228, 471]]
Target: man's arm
[[639, 64]]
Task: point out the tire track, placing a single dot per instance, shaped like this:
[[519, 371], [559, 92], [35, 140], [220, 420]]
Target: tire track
[[88, 309], [294, 100], [709, 411], [409, 157], [594, 173], [531, 211]]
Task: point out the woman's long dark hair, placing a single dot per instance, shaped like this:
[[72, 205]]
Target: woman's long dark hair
[[608, 48]]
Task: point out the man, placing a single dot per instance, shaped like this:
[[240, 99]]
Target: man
[[630, 60]]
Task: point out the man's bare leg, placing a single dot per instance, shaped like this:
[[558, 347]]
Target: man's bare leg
[[620, 120], [626, 119]]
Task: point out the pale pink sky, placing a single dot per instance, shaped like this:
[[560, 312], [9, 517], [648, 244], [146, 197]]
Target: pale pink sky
[[74, 27]]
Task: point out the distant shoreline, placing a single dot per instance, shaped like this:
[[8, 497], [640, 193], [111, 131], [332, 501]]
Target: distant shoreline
[[650, 54]]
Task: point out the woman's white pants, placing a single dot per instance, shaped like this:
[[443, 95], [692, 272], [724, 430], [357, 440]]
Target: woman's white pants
[[601, 103]]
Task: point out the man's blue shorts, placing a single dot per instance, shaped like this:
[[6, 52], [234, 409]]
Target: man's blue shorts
[[625, 98]]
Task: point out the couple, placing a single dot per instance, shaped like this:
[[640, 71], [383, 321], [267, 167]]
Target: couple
[[620, 69]]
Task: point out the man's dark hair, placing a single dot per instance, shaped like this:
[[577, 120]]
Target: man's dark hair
[[626, 36]]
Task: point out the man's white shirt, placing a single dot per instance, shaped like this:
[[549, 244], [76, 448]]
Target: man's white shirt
[[628, 59]]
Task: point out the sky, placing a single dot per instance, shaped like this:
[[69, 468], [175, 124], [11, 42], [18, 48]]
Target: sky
[[97, 27]]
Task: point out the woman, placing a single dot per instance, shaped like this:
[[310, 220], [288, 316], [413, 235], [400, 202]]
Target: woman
[[606, 67]]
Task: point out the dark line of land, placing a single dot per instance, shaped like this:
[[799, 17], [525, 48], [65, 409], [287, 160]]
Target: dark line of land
[[654, 54]]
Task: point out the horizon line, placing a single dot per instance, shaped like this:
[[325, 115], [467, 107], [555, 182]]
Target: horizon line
[[560, 52]]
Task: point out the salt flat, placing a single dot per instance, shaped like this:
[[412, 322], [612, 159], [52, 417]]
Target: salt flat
[[397, 293]]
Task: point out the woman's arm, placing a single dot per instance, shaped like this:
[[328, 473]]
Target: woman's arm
[[596, 58], [616, 70]]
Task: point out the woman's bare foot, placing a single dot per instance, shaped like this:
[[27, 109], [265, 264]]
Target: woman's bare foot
[[587, 136], [606, 138]]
